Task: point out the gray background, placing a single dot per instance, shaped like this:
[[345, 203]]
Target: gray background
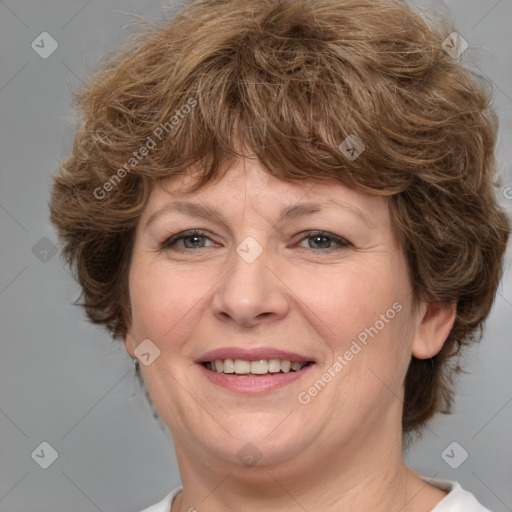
[[63, 381]]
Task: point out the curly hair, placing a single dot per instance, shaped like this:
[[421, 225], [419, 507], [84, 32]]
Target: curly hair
[[290, 81]]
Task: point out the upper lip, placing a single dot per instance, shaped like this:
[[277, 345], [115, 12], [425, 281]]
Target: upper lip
[[254, 354]]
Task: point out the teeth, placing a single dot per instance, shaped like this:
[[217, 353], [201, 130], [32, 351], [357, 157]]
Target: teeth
[[242, 366], [229, 366], [259, 367], [274, 365]]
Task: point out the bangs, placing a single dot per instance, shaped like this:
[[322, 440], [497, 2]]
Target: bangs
[[282, 96]]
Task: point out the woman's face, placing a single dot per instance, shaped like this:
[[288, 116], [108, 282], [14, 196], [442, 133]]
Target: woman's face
[[278, 272]]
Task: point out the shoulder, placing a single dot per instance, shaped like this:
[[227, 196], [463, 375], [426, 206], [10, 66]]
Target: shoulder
[[457, 499], [165, 504]]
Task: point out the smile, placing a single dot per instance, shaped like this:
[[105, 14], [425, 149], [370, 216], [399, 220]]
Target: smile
[[253, 368], [254, 377]]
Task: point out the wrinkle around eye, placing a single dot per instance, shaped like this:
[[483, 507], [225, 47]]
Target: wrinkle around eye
[[336, 242]]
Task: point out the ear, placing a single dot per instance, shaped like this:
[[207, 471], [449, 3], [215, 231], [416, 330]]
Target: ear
[[435, 323], [129, 343]]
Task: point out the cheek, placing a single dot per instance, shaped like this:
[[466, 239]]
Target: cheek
[[162, 299], [367, 304], [348, 299]]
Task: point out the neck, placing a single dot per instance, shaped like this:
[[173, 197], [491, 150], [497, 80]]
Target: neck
[[368, 475]]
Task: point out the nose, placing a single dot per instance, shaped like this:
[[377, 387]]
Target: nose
[[250, 293]]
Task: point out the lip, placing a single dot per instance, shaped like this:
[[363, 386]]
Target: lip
[[253, 385], [252, 355]]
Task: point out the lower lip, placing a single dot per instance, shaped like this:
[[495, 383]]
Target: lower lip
[[254, 385]]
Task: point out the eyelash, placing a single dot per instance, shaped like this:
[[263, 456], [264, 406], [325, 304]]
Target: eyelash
[[170, 243]]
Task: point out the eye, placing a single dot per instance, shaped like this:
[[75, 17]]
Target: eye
[[197, 239], [325, 241], [194, 239]]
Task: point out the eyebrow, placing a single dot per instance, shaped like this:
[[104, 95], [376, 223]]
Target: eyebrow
[[295, 211]]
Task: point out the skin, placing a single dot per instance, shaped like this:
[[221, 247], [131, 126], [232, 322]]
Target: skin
[[343, 449]]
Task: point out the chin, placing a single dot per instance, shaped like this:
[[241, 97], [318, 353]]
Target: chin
[[262, 436]]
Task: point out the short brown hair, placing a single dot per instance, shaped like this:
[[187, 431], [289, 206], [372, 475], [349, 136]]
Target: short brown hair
[[291, 80]]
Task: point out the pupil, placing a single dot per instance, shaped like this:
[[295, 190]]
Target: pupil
[[318, 238], [195, 239]]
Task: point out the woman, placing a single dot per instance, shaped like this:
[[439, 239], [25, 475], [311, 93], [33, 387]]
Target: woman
[[286, 212]]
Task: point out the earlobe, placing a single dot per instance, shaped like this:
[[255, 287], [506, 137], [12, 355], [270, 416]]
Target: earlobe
[[434, 327], [129, 343]]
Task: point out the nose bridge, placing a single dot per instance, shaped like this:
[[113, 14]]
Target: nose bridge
[[249, 291]]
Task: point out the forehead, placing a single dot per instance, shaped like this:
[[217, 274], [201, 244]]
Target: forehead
[[246, 183]]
